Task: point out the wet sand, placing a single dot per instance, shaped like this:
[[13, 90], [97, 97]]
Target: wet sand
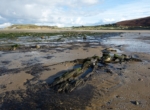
[[25, 75]]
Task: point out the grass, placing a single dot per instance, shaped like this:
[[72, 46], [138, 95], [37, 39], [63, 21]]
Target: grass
[[13, 35], [30, 26], [112, 27]]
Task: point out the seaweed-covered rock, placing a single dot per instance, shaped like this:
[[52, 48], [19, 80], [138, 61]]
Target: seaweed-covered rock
[[110, 57], [73, 78], [106, 57]]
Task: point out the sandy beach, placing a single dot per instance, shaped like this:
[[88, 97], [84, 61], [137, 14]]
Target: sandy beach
[[27, 72]]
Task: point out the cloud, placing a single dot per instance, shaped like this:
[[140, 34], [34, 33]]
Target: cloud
[[47, 11], [5, 25], [128, 11], [71, 12], [90, 1]]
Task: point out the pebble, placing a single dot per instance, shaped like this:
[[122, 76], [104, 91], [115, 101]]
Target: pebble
[[10, 82], [137, 103], [118, 96], [140, 79]]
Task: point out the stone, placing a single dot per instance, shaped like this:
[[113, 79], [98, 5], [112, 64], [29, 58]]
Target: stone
[[137, 103], [140, 79], [37, 46], [111, 49], [42, 37], [109, 71], [2, 86], [71, 79], [100, 64]]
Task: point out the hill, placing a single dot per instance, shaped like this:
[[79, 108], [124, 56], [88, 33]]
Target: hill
[[135, 22], [30, 26]]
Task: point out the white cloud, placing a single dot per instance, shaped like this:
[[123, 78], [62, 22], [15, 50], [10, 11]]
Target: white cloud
[[107, 20], [68, 13], [46, 11], [132, 10], [90, 1], [5, 25]]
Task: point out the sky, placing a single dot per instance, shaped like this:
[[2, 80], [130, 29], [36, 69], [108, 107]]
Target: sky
[[67, 13]]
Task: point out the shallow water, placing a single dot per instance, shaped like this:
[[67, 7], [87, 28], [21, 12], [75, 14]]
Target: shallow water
[[56, 40], [130, 42]]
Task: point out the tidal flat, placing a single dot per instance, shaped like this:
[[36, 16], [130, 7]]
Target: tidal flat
[[75, 70]]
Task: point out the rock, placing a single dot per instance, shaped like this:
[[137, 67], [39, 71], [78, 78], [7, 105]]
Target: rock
[[106, 56], [140, 79], [118, 96], [71, 79], [137, 103], [109, 71], [100, 64], [84, 37], [42, 37], [37, 46], [10, 82], [108, 59], [134, 58], [105, 52], [2, 86], [110, 49]]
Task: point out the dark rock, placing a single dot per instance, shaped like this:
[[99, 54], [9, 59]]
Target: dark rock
[[135, 102], [2, 86]]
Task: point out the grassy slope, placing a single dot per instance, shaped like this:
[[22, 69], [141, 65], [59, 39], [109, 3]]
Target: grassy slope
[[30, 26]]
